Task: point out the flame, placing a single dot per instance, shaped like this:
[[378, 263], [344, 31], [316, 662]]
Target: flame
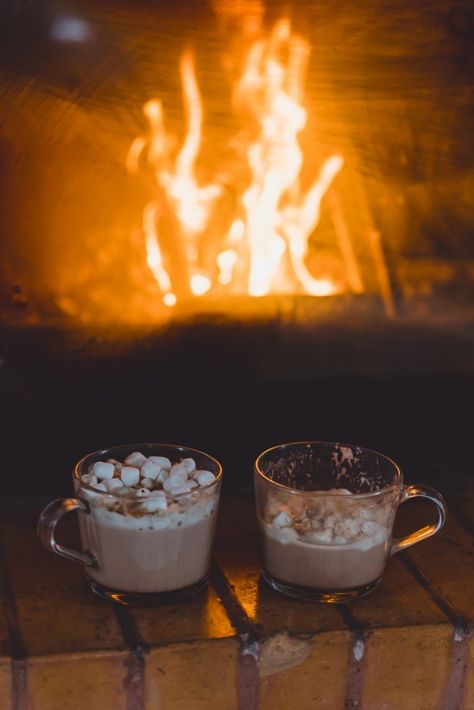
[[265, 248]]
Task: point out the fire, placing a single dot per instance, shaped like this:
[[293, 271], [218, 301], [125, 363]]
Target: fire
[[264, 249]]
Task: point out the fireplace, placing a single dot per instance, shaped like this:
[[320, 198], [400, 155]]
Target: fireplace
[[237, 225], [232, 224]]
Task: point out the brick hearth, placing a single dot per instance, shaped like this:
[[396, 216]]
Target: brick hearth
[[239, 645]]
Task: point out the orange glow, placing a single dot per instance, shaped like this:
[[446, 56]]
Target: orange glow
[[265, 248]]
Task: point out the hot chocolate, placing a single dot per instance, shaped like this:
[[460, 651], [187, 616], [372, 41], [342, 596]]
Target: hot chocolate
[[158, 552], [330, 540], [331, 567], [150, 523]]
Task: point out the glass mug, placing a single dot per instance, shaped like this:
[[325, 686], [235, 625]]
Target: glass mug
[[325, 514], [140, 550]]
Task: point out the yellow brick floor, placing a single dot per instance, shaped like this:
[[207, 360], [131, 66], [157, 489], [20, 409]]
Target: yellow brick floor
[[239, 645]]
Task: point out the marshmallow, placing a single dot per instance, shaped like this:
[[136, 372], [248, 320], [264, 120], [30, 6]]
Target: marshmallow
[[177, 490], [289, 533], [103, 470], [100, 487], [113, 483], [130, 475], [296, 505], [150, 470], [364, 513], [282, 520], [370, 528], [172, 482], [162, 476], [303, 525], [189, 464], [122, 491], [348, 528], [204, 478], [168, 484], [331, 521], [142, 493], [321, 536], [135, 459], [154, 504], [179, 469], [192, 483], [161, 461], [208, 508], [315, 509], [176, 478], [89, 478], [147, 483]]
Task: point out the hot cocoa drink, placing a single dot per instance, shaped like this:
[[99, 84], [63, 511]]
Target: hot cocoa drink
[[325, 513], [327, 543], [150, 524]]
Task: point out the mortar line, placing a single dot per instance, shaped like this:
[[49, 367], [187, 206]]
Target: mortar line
[[235, 611], [453, 692], [248, 677], [355, 666], [460, 623], [18, 652], [134, 682]]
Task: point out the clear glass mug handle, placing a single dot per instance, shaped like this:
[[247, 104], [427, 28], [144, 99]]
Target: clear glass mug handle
[[46, 528], [430, 494]]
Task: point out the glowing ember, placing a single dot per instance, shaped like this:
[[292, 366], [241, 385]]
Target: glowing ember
[[265, 249]]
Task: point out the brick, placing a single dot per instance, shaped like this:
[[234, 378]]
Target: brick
[[78, 660], [200, 675], [399, 601], [402, 618], [406, 667], [446, 559], [405, 605], [304, 673], [5, 683], [402, 622], [199, 618], [237, 552], [78, 682], [468, 703], [57, 612]]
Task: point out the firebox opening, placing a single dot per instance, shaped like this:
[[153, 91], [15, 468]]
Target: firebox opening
[[238, 154]]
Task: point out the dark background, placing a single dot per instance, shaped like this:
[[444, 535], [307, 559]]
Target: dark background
[[233, 391]]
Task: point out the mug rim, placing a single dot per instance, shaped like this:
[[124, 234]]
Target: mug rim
[[398, 483], [136, 447]]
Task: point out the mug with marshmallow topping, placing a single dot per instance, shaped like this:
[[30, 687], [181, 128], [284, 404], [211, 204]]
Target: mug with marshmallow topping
[[325, 514], [147, 516]]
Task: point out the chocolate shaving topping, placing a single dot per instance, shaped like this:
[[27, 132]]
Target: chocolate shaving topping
[[321, 467]]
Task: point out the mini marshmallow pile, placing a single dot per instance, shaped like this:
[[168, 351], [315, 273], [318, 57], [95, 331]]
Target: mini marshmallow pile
[[327, 520], [154, 477]]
